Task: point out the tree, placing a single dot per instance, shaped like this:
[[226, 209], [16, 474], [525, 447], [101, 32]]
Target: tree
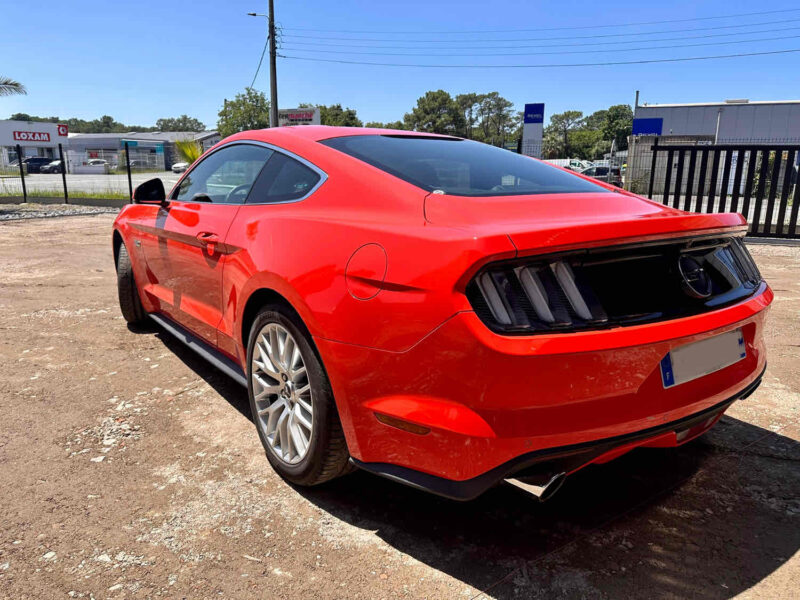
[[618, 125], [596, 120], [435, 112], [496, 118], [469, 104], [557, 132], [9, 87], [248, 110], [182, 123], [337, 116]]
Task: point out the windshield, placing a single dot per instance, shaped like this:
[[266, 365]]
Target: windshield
[[460, 167]]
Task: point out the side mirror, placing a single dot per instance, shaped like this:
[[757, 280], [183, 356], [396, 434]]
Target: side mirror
[[150, 192]]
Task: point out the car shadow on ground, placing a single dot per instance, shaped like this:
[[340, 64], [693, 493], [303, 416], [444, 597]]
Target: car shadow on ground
[[706, 520]]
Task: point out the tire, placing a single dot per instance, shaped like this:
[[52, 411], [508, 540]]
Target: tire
[[324, 455], [129, 301]]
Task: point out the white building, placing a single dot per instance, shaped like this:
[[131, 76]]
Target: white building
[[731, 121], [34, 139]]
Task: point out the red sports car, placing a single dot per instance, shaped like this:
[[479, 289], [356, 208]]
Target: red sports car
[[442, 312]]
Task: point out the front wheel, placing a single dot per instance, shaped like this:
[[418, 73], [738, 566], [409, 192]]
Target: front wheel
[[292, 402], [129, 301]]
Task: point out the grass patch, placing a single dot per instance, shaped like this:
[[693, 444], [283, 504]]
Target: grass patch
[[112, 194]]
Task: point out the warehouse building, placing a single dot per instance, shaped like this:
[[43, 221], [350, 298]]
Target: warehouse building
[[153, 150], [727, 122]]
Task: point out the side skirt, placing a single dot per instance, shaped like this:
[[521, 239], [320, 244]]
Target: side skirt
[[209, 353]]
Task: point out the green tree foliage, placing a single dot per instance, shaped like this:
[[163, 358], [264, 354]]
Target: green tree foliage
[[9, 87], [182, 123], [435, 112], [556, 138], [189, 150], [469, 105], [618, 125], [248, 110], [337, 116], [496, 119]]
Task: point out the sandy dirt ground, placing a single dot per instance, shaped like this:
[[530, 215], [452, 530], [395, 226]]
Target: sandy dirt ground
[[130, 469]]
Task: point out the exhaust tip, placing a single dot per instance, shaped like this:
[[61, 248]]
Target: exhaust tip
[[541, 492]]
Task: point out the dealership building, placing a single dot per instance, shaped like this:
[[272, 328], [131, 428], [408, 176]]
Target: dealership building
[[151, 150], [34, 139], [727, 122]]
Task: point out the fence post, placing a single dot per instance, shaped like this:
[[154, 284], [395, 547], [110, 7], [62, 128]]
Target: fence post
[[22, 174], [128, 166], [63, 172], [654, 148]]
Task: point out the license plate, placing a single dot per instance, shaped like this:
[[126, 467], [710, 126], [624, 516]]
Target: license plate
[[691, 361]]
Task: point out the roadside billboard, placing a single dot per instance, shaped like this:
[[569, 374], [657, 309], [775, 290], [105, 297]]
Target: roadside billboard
[[298, 116]]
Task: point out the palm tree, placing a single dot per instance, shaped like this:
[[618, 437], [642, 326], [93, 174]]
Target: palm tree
[[9, 87]]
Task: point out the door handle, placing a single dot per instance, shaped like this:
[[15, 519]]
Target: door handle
[[206, 237]]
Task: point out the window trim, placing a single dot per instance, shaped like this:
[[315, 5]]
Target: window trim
[[323, 176]]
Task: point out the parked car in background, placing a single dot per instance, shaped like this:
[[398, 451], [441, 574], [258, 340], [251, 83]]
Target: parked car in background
[[52, 167], [442, 312], [610, 175], [97, 162], [180, 167], [573, 164], [33, 164]]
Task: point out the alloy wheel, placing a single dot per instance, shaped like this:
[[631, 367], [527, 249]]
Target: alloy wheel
[[282, 393]]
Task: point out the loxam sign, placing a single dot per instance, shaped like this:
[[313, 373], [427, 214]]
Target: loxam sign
[[31, 136]]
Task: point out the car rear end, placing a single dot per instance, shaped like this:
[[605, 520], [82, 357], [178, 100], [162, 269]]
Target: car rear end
[[604, 322], [567, 359]]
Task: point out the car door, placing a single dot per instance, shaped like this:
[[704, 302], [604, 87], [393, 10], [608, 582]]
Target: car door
[[184, 253]]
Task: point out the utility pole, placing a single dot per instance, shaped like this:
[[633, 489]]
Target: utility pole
[[273, 77]]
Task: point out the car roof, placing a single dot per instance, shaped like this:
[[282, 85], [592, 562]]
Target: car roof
[[324, 132]]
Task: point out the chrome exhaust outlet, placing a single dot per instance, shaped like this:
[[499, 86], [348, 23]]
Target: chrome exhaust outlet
[[541, 492]]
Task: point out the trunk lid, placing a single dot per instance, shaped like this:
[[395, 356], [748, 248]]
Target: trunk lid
[[547, 221]]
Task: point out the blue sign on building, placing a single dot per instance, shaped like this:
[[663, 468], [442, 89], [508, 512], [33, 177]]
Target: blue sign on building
[[534, 113], [651, 126]]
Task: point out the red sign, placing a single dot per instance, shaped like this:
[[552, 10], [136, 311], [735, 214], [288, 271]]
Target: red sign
[[63, 130], [31, 136]]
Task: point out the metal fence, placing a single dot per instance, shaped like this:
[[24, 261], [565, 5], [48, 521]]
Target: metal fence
[[757, 180], [112, 175]]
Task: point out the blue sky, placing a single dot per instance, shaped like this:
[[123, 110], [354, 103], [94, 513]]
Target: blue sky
[[139, 61]]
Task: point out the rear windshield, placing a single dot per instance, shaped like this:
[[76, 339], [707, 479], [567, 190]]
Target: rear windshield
[[460, 167]]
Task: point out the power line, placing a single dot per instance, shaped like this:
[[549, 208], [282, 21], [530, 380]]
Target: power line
[[547, 39], [544, 66], [561, 45], [634, 24], [260, 60], [768, 39]]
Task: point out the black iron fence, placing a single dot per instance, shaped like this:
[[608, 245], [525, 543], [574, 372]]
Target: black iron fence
[[757, 180], [63, 178]]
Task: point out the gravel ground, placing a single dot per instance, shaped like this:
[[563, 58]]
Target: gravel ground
[[15, 212], [130, 469]]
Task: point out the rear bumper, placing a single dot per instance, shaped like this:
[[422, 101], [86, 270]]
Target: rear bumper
[[543, 465], [493, 402]]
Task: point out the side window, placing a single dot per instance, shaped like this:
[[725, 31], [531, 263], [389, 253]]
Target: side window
[[282, 180], [226, 176], [590, 172]]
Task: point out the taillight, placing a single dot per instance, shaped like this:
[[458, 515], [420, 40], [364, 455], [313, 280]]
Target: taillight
[[613, 286]]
